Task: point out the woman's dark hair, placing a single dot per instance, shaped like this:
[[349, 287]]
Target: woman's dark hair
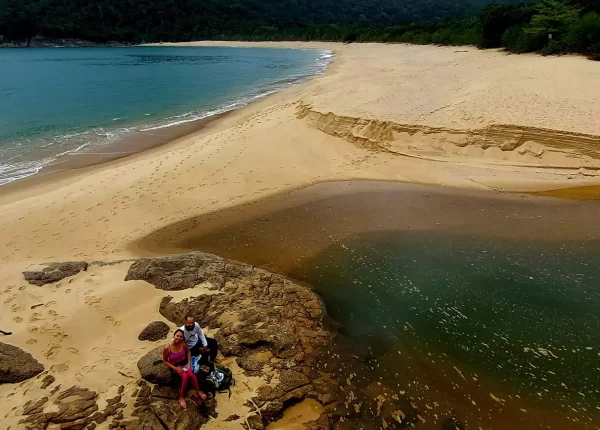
[[182, 333]]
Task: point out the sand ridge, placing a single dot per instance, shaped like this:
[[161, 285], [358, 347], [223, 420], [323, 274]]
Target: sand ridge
[[258, 151]]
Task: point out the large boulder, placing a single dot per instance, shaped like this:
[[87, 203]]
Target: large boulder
[[156, 330], [153, 369], [54, 272], [181, 271], [17, 365]]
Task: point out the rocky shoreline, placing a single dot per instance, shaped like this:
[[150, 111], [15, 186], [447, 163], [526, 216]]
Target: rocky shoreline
[[271, 327]]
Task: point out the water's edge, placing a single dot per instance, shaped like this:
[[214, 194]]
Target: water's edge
[[131, 140]]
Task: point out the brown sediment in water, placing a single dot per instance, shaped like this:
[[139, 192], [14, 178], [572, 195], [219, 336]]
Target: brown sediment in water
[[574, 193], [278, 232]]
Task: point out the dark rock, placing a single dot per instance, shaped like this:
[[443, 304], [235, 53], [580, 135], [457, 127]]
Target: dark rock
[[233, 417], [73, 409], [167, 414], [113, 400], [155, 373], [178, 272], [47, 381], [144, 391], [326, 390], [54, 272], [176, 312], [156, 330], [17, 365], [290, 380], [249, 364], [165, 392], [255, 422], [142, 401], [34, 407]]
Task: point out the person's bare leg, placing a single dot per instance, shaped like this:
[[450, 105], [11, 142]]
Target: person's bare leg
[[184, 378]]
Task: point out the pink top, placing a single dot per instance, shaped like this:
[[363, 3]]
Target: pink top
[[176, 357]]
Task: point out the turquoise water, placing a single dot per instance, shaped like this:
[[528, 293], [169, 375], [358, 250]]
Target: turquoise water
[[56, 101], [522, 315]]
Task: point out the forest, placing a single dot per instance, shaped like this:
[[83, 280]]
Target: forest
[[548, 27]]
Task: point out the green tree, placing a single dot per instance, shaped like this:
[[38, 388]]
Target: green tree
[[553, 17]]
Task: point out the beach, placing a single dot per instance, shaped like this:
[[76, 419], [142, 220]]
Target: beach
[[481, 121]]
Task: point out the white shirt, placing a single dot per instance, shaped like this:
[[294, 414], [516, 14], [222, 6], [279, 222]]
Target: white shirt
[[192, 337]]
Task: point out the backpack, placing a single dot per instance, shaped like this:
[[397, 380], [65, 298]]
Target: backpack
[[219, 379]]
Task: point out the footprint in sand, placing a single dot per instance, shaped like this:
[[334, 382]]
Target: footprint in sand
[[73, 350], [51, 352], [108, 340], [35, 317], [10, 299], [17, 319], [92, 300], [31, 341], [111, 319], [60, 367]]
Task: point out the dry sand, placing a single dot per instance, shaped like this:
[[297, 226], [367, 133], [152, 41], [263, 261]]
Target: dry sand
[[474, 119]]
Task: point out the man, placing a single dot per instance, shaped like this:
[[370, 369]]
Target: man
[[197, 342]]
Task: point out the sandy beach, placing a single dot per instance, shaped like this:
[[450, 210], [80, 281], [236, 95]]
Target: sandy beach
[[461, 118]]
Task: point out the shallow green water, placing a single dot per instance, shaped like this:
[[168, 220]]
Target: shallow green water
[[525, 315]]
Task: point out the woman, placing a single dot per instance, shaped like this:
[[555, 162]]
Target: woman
[[176, 355]]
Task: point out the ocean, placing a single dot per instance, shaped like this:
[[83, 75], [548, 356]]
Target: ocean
[[69, 101]]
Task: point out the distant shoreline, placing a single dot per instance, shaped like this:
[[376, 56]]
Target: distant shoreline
[[65, 43]]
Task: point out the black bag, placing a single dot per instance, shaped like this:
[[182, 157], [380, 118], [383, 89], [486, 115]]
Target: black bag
[[218, 378]]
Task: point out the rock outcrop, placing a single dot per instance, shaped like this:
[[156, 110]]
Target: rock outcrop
[[263, 319], [54, 272], [156, 330], [158, 408], [17, 365], [152, 368], [181, 271], [75, 408]]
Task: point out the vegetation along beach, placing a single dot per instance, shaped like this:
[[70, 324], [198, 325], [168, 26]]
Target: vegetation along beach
[[377, 215]]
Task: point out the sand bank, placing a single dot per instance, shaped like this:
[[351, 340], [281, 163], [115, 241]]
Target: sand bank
[[389, 112]]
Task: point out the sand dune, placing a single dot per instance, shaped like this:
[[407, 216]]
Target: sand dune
[[475, 119]]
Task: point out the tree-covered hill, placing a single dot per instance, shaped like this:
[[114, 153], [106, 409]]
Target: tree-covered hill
[[180, 20], [546, 26]]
